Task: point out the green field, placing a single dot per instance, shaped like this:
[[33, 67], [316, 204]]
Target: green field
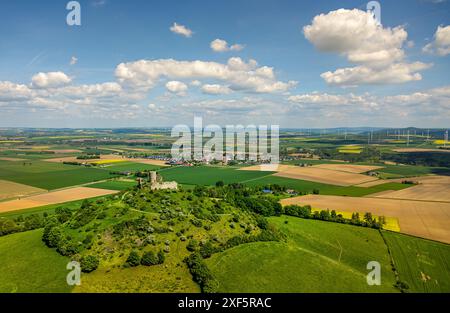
[[132, 167], [27, 265], [398, 171], [47, 175], [317, 257], [324, 189], [114, 185], [423, 265], [208, 175]]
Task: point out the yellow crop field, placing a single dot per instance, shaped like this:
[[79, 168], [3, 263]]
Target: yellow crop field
[[103, 162], [391, 222], [441, 142], [12, 141], [350, 149]]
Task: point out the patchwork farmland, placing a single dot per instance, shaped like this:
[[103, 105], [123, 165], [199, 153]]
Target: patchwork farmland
[[230, 208]]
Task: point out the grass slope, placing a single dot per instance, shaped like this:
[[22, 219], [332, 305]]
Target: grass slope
[[317, 257], [27, 265], [422, 264]]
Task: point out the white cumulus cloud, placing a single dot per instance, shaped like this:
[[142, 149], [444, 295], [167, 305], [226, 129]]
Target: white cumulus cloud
[[239, 75], [376, 50], [50, 80], [181, 30], [176, 87], [441, 42], [220, 45], [215, 89]]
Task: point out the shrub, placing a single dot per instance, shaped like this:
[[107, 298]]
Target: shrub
[[262, 222], [133, 259], [89, 263], [161, 257], [51, 236], [149, 258], [192, 245], [201, 273], [207, 250]]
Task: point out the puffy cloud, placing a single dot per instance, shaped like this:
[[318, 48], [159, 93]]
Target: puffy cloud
[[14, 92], [377, 50], [393, 74], [220, 45], [441, 42], [109, 89], [215, 89], [239, 75], [177, 87], [356, 35], [434, 103], [73, 60], [50, 80], [195, 83], [181, 30]]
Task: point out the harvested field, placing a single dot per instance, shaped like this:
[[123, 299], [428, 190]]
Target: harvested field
[[429, 179], [423, 192], [325, 176], [10, 189], [11, 159], [425, 219], [350, 168], [63, 151], [317, 174], [54, 197]]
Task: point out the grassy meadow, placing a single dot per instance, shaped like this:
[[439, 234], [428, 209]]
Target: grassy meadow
[[27, 265], [424, 265], [314, 255]]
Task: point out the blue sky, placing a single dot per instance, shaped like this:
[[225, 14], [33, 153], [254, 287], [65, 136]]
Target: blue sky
[[394, 74]]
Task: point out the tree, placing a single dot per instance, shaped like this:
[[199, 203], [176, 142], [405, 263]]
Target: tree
[[51, 236], [220, 183], [368, 217], [89, 263], [149, 258], [333, 214], [207, 250], [262, 222], [133, 258], [325, 215]]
